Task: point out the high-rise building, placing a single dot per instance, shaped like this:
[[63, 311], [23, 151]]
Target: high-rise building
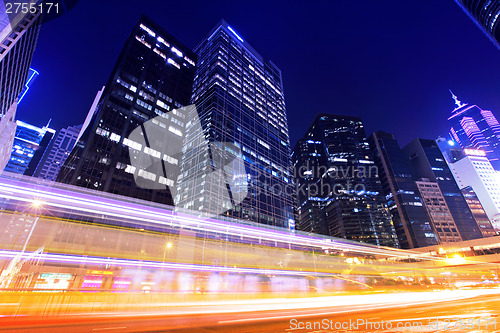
[[308, 156], [240, 102], [30, 143], [57, 152], [152, 77], [405, 204], [478, 212], [334, 165], [473, 127], [428, 162], [91, 113], [485, 13], [473, 169], [441, 218], [18, 37]]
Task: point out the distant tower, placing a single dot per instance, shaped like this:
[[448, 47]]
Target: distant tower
[[471, 168], [429, 163], [334, 167], [473, 127], [57, 152], [486, 14], [30, 143], [438, 211], [405, 205]]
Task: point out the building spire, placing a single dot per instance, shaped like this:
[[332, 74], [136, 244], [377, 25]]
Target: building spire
[[457, 102]]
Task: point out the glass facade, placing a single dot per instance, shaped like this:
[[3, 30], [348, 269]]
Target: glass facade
[[18, 37], [437, 209], [478, 211], [485, 13], [405, 204], [57, 152], [30, 143], [306, 156], [471, 168], [334, 166], [428, 162], [473, 127], [240, 103], [152, 77]]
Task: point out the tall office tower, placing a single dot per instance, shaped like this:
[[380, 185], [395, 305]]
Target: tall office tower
[[57, 152], [438, 211], [428, 162], [339, 170], [475, 170], [18, 37], [30, 143], [241, 106], [451, 151], [309, 156], [477, 210], [408, 214], [473, 127], [153, 75], [91, 113], [485, 13]]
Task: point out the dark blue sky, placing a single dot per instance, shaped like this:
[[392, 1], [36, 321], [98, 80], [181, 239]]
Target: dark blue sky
[[390, 62]]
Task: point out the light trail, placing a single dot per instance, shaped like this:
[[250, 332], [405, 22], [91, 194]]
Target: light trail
[[73, 259], [86, 203]]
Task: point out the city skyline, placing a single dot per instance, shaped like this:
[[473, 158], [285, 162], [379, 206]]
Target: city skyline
[[318, 75], [249, 166]]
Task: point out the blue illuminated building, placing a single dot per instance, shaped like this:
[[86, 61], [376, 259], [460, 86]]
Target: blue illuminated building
[[405, 204], [338, 183], [152, 77], [473, 127], [29, 145], [486, 15], [429, 163], [240, 102]]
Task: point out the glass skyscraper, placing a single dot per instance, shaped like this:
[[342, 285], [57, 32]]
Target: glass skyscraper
[[18, 38], [152, 77], [429, 163], [57, 152], [29, 145], [405, 203], [240, 103], [473, 127], [310, 155], [486, 14], [334, 167]]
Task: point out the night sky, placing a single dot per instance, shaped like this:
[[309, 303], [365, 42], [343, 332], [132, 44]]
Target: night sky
[[391, 62]]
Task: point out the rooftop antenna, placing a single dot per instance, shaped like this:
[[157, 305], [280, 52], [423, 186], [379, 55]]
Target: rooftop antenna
[[457, 102]]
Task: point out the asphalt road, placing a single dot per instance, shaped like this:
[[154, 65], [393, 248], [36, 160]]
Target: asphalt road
[[453, 311]]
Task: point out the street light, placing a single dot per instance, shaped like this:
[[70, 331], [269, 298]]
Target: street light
[[37, 203]]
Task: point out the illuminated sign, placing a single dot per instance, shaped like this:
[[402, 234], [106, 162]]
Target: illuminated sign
[[99, 272], [53, 281], [474, 152]]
